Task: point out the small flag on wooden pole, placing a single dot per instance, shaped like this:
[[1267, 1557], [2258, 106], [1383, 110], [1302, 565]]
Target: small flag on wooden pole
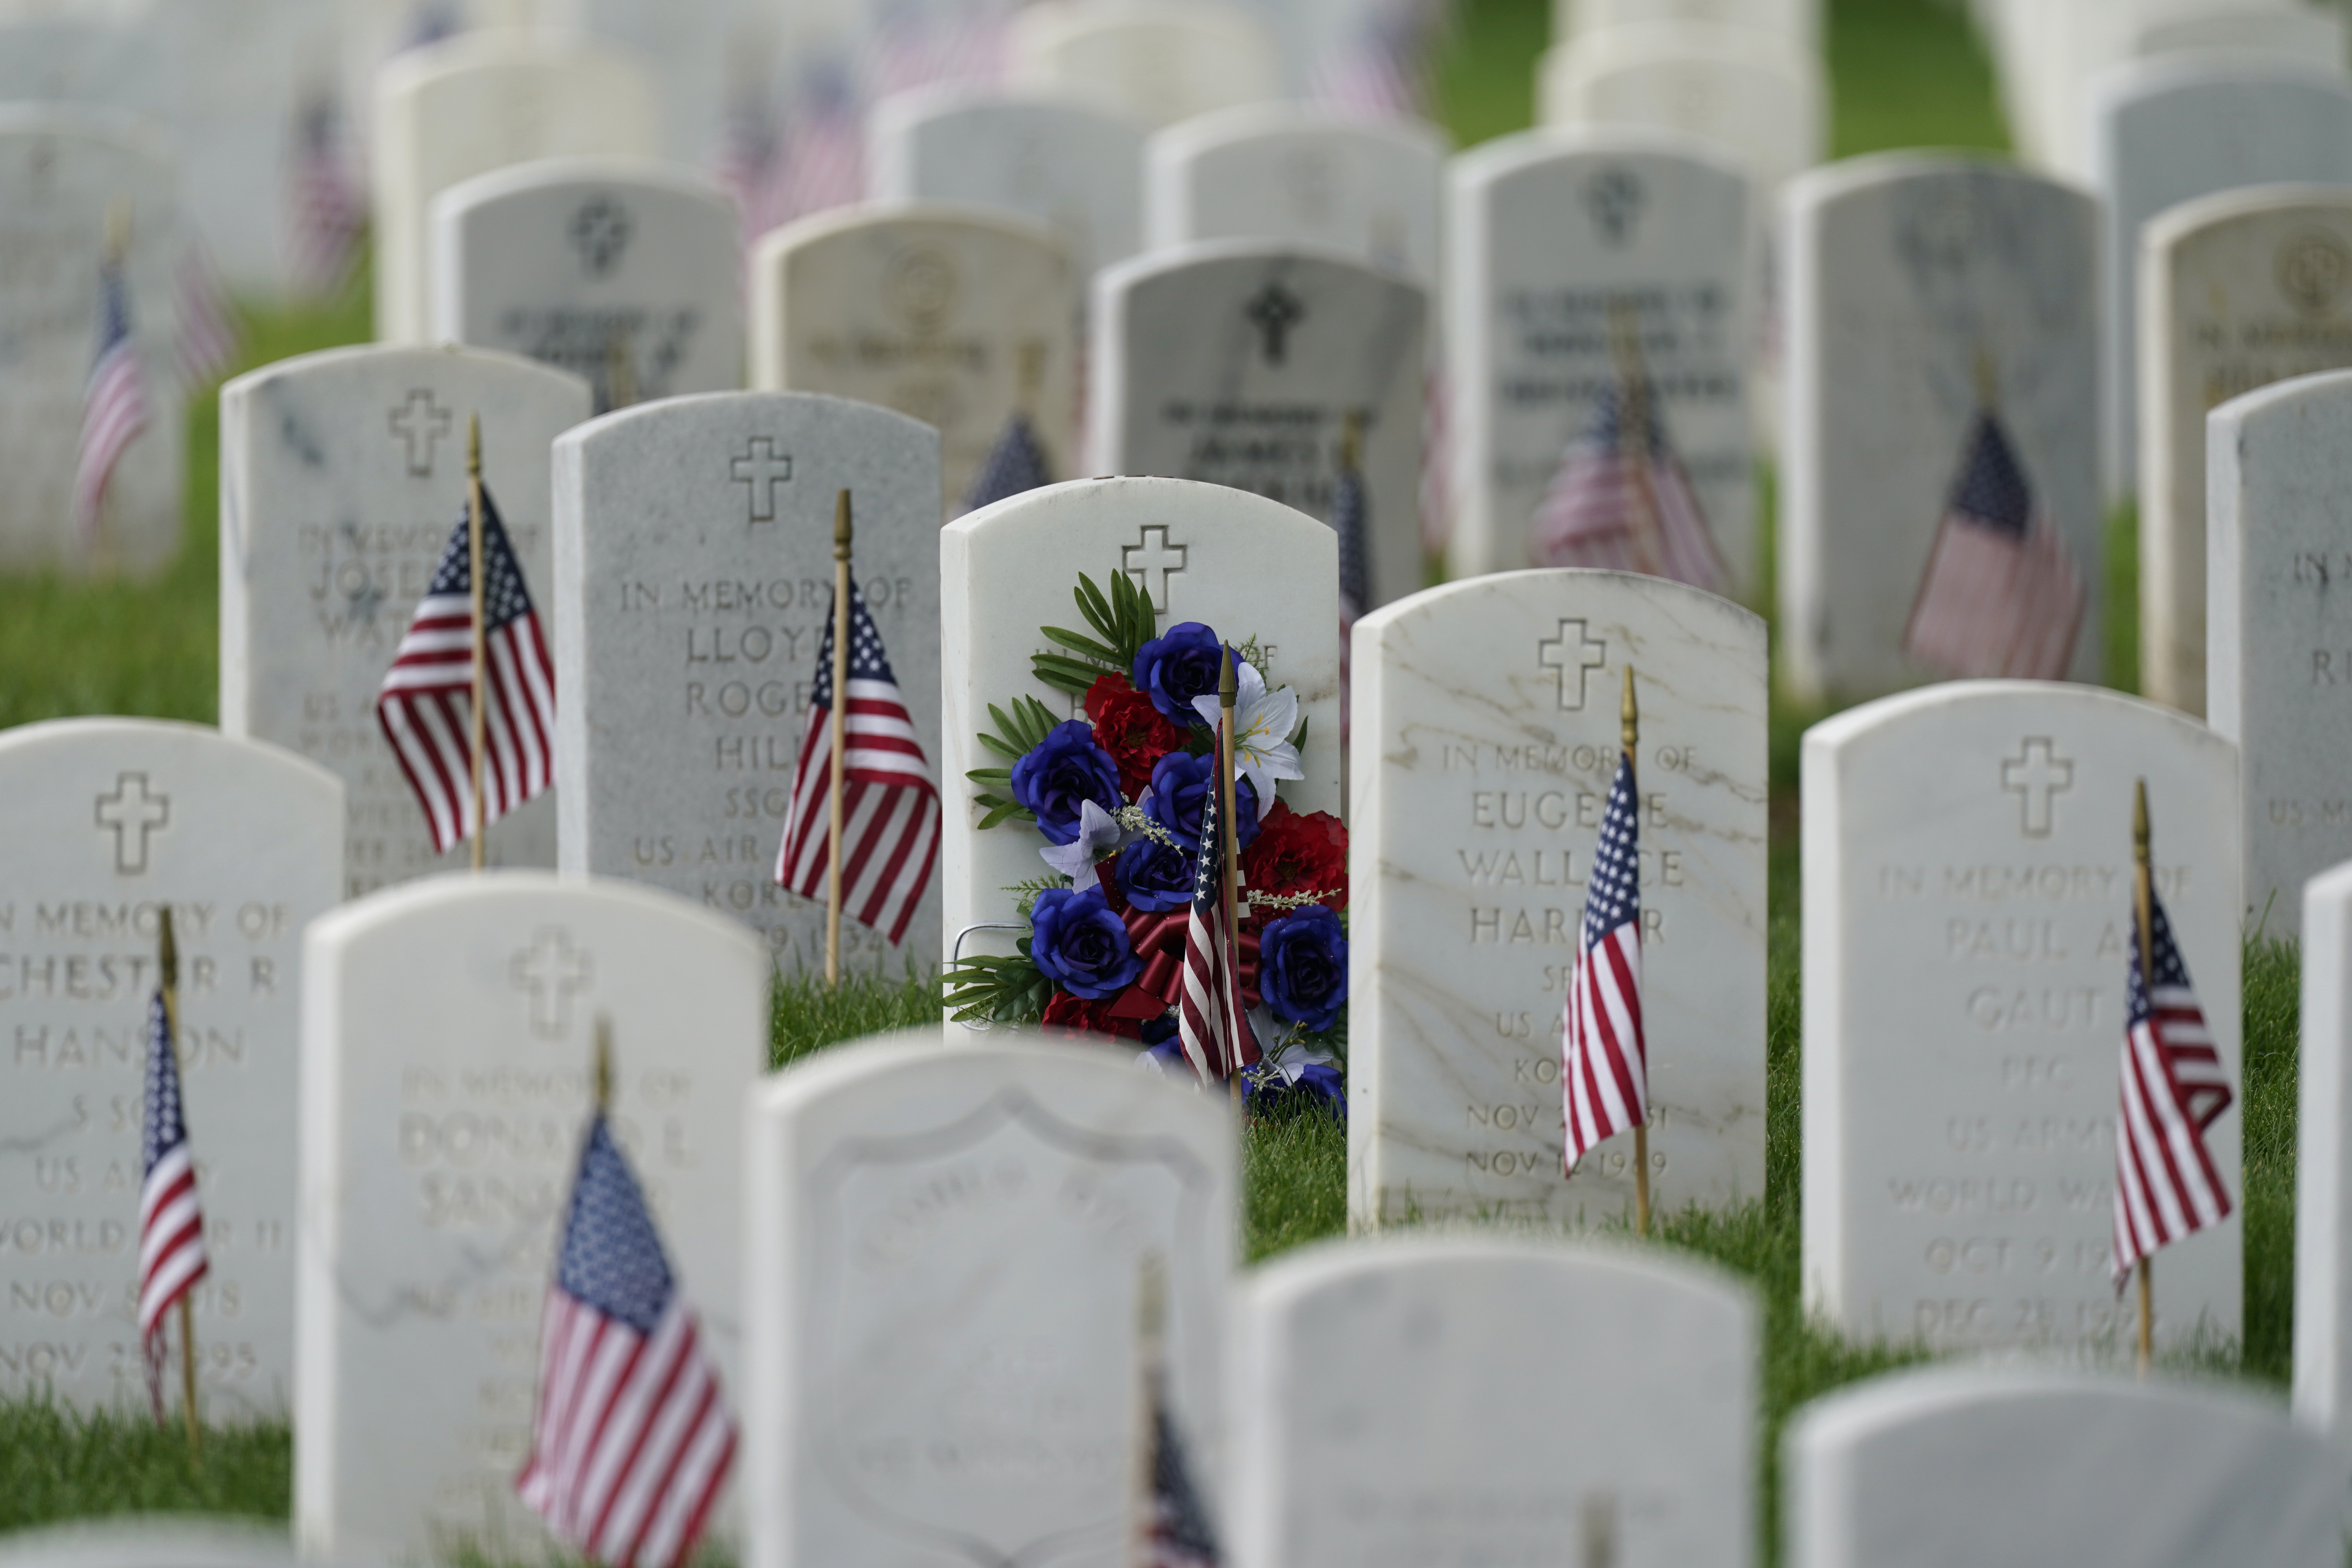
[[842, 530], [172, 1255], [481, 651]]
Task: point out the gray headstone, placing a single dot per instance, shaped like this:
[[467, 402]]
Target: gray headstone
[[2323, 1164], [342, 477], [1239, 362], [694, 569]]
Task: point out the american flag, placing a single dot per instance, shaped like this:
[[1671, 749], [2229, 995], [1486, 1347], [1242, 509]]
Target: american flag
[[209, 333], [889, 802], [2174, 1087], [633, 1440], [1016, 464], [1179, 1535], [1382, 71], [1604, 1066], [751, 163], [1436, 460], [1211, 1022], [1622, 499], [2001, 595], [326, 209], [114, 406], [825, 155], [426, 705], [170, 1222]]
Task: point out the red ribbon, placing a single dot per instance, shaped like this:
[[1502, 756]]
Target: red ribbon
[[1158, 938]]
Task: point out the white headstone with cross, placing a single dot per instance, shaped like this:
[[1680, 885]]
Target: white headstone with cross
[[694, 563], [1581, 264], [473, 104], [109, 821], [1486, 733], [626, 272], [2243, 289], [1942, 357], [1473, 1399], [1245, 362], [1967, 921], [1965, 1464], [446, 1064], [343, 477], [955, 316], [1238, 563], [945, 1256]]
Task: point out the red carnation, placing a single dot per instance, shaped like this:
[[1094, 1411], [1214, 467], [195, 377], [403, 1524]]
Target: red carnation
[[1299, 853], [1135, 734], [1075, 1013]]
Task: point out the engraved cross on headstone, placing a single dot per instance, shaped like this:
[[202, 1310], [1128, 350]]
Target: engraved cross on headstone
[[1274, 312], [1152, 561], [420, 423], [132, 814], [551, 969], [760, 470], [1569, 656], [2035, 774]]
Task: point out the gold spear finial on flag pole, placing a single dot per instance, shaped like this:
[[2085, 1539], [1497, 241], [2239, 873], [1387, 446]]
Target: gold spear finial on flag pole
[[167, 966], [1629, 719], [482, 644], [1228, 685], [2144, 917], [842, 530]]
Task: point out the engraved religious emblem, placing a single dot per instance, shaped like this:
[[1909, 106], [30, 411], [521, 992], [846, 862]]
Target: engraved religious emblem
[[420, 422], [1274, 312], [599, 232], [551, 969], [133, 812], [1569, 656], [2313, 269], [760, 469], [920, 286], [1613, 199], [1152, 559], [2035, 775]]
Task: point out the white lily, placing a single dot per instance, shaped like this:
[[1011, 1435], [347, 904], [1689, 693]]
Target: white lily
[[1263, 721], [1099, 834]]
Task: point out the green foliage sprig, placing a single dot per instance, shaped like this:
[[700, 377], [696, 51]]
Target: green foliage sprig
[[1021, 732], [1122, 622]]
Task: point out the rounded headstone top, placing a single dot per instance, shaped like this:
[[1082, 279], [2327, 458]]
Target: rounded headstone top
[[1583, 1267], [421, 900], [1164, 498], [2175, 224], [860, 217], [157, 1541], [1849, 176], [1242, 120], [27, 744], [374, 360], [1890, 716], [543, 173], [2137, 81], [1507, 155], [693, 410], [1565, 579]]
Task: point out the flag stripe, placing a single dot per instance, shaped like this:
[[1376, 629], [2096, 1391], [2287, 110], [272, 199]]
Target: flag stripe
[[2172, 1085], [1605, 1053]]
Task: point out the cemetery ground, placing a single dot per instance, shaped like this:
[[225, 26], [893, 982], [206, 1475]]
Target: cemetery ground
[[1905, 74]]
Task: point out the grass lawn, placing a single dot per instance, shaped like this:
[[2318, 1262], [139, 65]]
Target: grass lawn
[[1905, 73]]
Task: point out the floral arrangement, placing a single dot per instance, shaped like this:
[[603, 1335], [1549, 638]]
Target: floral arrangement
[[1118, 799]]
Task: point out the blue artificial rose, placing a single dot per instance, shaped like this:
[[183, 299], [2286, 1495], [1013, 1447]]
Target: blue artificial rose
[[1057, 779], [1155, 876], [1302, 969], [1174, 670], [1179, 783], [1079, 944]]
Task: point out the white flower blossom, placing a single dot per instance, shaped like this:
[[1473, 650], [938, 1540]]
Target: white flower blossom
[[1263, 721], [1099, 834]]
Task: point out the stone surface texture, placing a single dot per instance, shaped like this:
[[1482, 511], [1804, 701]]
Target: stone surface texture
[[1158, 61], [2323, 1170], [1755, 96]]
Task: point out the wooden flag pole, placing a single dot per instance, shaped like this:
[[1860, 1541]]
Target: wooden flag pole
[[1226, 687], [601, 1068], [1629, 715], [481, 637], [1151, 1340], [840, 719], [2144, 910], [168, 963]]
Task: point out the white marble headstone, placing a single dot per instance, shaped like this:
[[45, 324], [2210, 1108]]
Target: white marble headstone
[[695, 57], [1285, 172], [955, 316], [1158, 61], [628, 274], [474, 103], [1549, 231], [1486, 737], [2323, 1166], [1921, 288], [1967, 917], [2174, 126], [1476, 1399], [1051, 159], [2053, 1468], [151, 1541], [110, 820], [2237, 290], [1756, 96], [342, 477], [63, 170], [1245, 566], [448, 1032], [944, 1249], [2280, 634], [1239, 362], [693, 567], [1799, 20]]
